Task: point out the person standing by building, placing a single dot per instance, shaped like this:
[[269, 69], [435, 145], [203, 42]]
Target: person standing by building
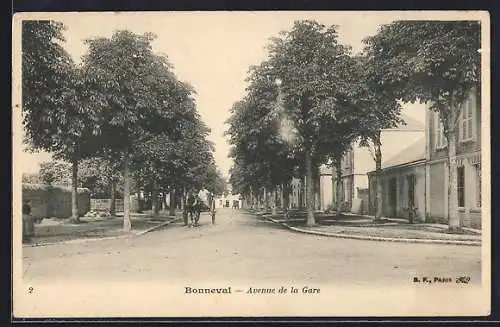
[[28, 224]]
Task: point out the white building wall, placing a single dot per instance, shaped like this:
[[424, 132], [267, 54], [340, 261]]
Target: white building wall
[[221, 200], [326, 191]]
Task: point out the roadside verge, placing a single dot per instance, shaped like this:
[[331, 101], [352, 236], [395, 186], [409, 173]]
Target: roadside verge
[[117, 234], [312, 231]]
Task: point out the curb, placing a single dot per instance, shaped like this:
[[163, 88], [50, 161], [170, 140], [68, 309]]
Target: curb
[[378, 238], [157, 227], [85, 240], [472, 230]]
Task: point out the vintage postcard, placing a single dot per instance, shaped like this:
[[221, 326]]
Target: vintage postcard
[[251, 164]]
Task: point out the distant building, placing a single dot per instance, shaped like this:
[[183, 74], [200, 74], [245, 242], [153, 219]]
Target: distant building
[[323, 190], [228, 199], [359, 161]]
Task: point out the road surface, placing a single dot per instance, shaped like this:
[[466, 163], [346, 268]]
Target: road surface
[[241, 247]]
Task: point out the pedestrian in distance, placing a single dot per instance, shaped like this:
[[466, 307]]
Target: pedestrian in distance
[[212, 208], [190, 207], [198, 203]]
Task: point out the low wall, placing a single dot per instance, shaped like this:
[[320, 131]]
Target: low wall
[[105, 204], [54, 201]]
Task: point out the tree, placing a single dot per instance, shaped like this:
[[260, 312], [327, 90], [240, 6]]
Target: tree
[[45, 65], [257, 143], [55, 173], [215, 183], [436, 62], [313, 68], [376, 109], [58, 116], [31, 178], [126, 71]]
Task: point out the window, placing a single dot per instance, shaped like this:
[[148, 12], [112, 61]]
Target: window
[[461, 186], [347, 190], [440, 137], [346, 160], [466, 121], [478, 185]]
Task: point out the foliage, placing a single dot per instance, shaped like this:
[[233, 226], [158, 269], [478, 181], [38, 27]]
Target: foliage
[[124, 70], [313, 72], [59, 115], [55, 173], [45, 65], [97, 174], [31, 178], [437, 62], [314, 69], [215, 182], [428, 61]]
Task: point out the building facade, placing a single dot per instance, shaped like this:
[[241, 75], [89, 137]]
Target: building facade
[[359, 161], [403, 184], [415, 181], [468, 164]]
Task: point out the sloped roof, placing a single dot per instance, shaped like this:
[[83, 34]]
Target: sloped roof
[[411, 124], [412, 153]]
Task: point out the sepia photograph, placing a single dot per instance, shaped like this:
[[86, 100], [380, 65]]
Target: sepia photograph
[[251, 164]]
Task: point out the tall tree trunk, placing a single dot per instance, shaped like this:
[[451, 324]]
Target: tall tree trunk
[[266, 200], [338, 188], [454, 221], [288, 194], [74, 191], [154, 199], [378, 178], [303, 192], [172, 203], [251, 199], [273, 201], [310, 192], [184, 208], [127, 224], [112, 202], [282, 194]]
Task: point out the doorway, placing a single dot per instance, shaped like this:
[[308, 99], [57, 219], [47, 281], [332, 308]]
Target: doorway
[[393, 197], [411, 197]]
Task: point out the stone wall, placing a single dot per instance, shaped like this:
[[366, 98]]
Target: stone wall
[[54, 201]]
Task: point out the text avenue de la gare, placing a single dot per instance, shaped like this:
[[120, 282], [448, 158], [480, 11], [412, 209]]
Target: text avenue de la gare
[[253, 290]]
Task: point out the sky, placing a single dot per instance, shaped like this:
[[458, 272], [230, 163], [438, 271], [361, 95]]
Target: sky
[[213, 51]]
